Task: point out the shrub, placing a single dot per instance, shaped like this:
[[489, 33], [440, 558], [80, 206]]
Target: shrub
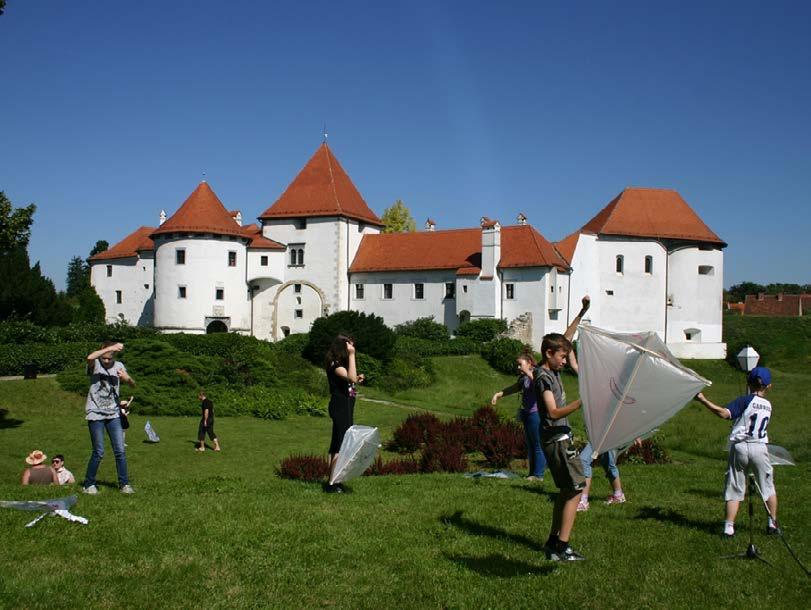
[[24, 331], [504, 443], [393, 467], [652, 451], [440, 456], [461, 346], [482, 331], [501, 354], [423, 328], [304, 468], [244, 360], [371, 368], [417, 430], [293, 344], [402, 373], [267, 403], [49, 358], [371, 335]]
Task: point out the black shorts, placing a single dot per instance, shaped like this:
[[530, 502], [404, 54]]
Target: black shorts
[[564, 463]]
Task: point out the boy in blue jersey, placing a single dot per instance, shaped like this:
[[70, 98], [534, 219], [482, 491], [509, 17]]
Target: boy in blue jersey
[[747, 447]]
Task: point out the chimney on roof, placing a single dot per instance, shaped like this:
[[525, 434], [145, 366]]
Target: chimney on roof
[[522, 218], [237, 216], [162, 217], [491, 246], [430, 225]]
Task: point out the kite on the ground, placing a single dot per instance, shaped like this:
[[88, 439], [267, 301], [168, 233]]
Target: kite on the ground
[[150, 433], [358, 451], [630, 384], [57, 506], [779, 456]]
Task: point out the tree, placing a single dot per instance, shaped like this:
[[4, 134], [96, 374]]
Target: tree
[[78, 276], [101, 246], [2, 6], [398, 219], [91, 307], [15, 224]]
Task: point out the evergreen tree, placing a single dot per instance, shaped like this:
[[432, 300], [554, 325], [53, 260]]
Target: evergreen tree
[[15, 224], [91, 307], [101, 246], [398, 219], [78, 276]]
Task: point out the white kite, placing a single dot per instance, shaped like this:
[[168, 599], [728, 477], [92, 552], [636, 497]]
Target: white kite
[[358, 451], [630, 383], [150, 433], [58, 507]]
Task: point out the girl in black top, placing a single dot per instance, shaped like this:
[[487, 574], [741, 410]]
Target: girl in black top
[[342, 376], [206, 423]]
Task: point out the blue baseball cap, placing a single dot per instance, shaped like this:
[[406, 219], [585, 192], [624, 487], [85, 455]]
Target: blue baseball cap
[[760, 375]]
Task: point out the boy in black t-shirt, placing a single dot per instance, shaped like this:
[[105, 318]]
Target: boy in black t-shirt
[[206, 423]]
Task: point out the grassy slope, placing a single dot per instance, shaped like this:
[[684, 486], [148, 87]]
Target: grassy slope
[[222, 530]]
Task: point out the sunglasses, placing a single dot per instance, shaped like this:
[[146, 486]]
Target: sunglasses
[[56, 461]]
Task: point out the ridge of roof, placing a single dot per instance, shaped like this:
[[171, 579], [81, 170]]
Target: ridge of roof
[[137, 241], [322, 188]]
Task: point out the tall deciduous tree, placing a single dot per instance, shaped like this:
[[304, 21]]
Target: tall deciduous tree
[[398, 219], [15, 224]]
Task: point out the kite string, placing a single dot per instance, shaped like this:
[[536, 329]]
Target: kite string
[[599, 446]]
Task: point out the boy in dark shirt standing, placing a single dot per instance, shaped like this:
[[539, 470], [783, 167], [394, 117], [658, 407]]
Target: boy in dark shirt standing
[[206, 423]]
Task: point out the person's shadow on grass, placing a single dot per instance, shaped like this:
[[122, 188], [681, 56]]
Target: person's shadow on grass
[[676, 518], [8, 422], [479, 529], [498, 566]]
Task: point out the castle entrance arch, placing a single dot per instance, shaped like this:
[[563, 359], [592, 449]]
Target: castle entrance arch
[[284, 291]]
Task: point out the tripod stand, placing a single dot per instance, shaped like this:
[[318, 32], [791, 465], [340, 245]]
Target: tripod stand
[[751, 551]]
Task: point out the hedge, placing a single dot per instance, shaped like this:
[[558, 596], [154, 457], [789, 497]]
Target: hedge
[[49, 358], [482, 330], [501, 354]]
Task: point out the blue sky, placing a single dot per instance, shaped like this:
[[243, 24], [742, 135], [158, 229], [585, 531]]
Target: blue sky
[[112, 111]]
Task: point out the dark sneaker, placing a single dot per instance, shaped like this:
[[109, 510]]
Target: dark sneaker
[[568, 554], [551, 553], [333, 489], [773, 531]]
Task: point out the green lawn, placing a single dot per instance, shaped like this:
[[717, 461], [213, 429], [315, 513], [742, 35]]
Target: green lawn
[[222, 530]]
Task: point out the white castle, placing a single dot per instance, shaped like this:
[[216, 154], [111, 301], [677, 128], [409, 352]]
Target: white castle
[[646, 259]]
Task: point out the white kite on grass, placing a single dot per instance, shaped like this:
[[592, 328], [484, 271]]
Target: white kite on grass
[[358, 451], [630, 383], [58, 507], [150, 433]]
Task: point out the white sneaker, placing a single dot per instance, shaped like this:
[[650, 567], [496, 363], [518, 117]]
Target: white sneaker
[[127, 489], [91, 491]]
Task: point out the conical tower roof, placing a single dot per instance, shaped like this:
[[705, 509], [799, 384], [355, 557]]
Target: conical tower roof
[[322, 188], [202, 212]]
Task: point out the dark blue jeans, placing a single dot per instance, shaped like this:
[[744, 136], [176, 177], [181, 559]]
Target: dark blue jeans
[[532, 434], [116, 435]]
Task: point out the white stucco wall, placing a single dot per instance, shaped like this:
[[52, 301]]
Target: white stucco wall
[[696, 297], [533, 293], [403, 307], [585, 279], [133, 276], [273, 270], [205, 270]]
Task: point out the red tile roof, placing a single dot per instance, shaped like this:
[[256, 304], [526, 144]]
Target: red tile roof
[[459, 249], [648, 212], [322, 188], [131, 245], [202, 212], [567, 245], [258, 242]]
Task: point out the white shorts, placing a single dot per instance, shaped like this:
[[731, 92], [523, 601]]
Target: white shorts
[[745, 458]]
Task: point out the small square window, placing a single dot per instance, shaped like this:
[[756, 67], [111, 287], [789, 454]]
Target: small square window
[[450, 290], [180, 256], [388, 291], [118, 297], [146, 286], [299, 313], [109, 271], [706, 270], [296, 287], [263, 261], [419, 291], [510, 290], [181, 292], [232, 258], [610, 293], [219, 294], [359, 291]]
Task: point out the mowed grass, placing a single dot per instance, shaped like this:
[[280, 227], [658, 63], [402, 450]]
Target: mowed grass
[[223, 530]]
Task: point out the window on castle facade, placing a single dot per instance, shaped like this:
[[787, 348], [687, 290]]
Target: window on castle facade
[[299, 313], [296, 287], [649, 265], [450, 290], [301, 223], [297, 256], [419, 291], [219, 294], [109, 271], [181, 292], [620, 265], [118, 297], [509, 289], [359, 291], [263, 261], [180, 256], [388, 291], [232, 258]]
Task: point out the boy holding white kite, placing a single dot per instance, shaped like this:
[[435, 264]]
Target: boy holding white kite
[[748, 451]]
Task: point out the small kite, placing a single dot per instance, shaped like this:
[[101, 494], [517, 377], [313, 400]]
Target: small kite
[[630, 384], [58, 507], [150, 433], [358, 451]]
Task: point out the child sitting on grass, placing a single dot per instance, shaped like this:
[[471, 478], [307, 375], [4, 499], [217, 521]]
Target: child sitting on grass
[[748, 451]]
